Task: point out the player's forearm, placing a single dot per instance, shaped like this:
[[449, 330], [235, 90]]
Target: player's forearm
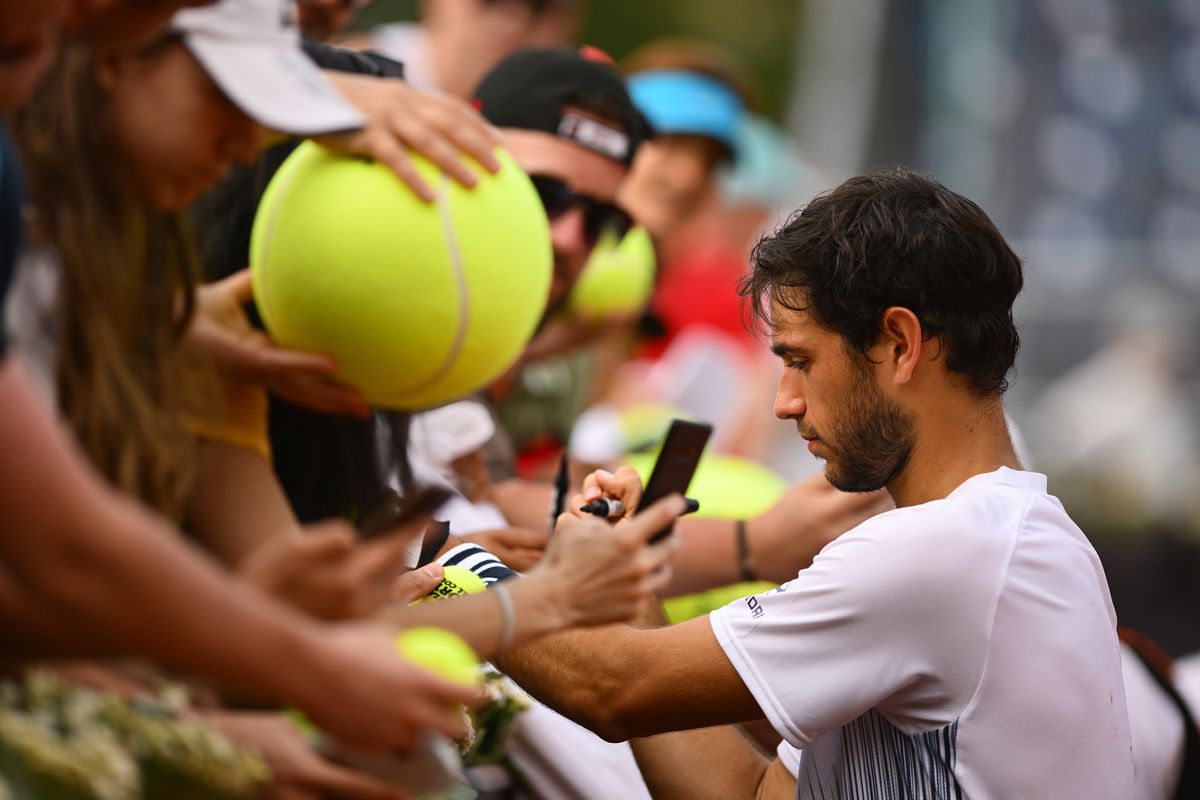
[[585, 675], [717, 763], [622, 682], [707, 556]]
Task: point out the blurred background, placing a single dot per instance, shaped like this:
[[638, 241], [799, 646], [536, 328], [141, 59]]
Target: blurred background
[[1076, 125]]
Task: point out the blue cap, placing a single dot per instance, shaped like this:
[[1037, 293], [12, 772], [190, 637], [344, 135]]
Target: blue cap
[[678, 101]]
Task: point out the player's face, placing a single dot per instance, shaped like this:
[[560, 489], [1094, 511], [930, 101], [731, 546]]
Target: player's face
[[833, 397], [586, 173]]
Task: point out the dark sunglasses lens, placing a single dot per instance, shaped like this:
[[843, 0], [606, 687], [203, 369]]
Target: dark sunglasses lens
[[556, 196], [606, 218], [599, 218]]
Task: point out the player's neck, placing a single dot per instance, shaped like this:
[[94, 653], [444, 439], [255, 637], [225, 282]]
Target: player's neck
[[953, 445]]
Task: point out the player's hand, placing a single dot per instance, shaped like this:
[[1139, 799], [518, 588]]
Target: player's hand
[[606, 574], [442, 128], [328, 573], [812, 513], [221, 331], [518, 548], [368, 695], [297, 771], [624, 485]]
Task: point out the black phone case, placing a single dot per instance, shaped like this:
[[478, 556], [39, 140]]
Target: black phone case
[[676, 464]]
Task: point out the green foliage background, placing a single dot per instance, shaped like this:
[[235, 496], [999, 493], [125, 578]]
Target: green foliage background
[[760, 34]]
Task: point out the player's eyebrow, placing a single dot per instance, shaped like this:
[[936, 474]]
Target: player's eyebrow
[[784, 349]]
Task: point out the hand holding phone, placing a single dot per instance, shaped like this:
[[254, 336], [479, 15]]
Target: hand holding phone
[[397, 512], [676, 464]]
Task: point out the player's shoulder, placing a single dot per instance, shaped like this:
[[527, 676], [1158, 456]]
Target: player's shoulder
[[974, 528]]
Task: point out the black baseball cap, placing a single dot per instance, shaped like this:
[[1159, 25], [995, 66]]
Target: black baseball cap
[[539, 90]]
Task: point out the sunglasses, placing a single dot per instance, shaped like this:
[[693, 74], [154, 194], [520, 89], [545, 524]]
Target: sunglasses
[[599, 217]]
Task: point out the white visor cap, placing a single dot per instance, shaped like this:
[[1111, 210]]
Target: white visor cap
[[251, 50]]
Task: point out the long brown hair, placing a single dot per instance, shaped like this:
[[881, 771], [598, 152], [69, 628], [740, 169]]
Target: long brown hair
[[128, 275]]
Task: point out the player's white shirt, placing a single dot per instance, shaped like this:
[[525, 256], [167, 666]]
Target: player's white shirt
[[963, 648], [1156, 726]]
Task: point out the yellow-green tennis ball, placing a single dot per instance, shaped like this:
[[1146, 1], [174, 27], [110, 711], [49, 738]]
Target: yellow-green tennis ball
[[455, 581], [441, 652], [419, 303], [618, 278], [726, 486], [646, 424]]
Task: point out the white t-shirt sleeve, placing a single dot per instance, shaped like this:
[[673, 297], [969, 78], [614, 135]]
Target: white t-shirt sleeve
[[790, 757], [875, 622]]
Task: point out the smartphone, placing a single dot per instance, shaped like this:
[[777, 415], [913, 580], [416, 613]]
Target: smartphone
[[395, 511], [676, 464]]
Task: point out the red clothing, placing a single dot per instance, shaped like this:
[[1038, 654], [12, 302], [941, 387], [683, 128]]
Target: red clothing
[[700, 288]]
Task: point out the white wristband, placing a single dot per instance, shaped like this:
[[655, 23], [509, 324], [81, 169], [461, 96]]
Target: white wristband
[[508, 617]]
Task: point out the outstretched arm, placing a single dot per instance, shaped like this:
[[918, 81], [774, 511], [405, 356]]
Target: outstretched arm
[[33, 630], [94, 557], [590, 575], [98, 559]]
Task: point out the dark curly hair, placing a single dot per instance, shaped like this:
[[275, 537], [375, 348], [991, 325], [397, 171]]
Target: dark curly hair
[[896, 238]]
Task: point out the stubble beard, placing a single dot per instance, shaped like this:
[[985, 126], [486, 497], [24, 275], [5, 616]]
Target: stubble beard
[[871, 442]]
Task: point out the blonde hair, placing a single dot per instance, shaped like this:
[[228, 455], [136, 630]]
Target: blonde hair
[[128, 274]]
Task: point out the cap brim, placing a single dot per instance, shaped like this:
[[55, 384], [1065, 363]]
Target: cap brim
[[276, 84]]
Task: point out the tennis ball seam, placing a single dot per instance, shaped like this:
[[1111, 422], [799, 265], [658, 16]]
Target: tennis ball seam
[[460, 282]]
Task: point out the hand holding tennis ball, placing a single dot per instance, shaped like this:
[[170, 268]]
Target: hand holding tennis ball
[[368, 697], [433, 660], [442, 653], [417, 303]]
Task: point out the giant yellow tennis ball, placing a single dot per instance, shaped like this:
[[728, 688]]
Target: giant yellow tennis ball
[[419, 303], [618, 278], [455, 581], [441, 652]]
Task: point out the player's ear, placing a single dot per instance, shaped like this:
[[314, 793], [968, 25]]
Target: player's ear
[[900, 344]]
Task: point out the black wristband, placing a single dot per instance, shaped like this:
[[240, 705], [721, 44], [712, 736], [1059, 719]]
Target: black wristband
[[745, 560]]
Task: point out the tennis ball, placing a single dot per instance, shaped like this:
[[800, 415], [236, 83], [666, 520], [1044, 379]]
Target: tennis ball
[[419, 303], [456, 581], [441, 652], [726, 486], [618, 278], [646, 424]]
